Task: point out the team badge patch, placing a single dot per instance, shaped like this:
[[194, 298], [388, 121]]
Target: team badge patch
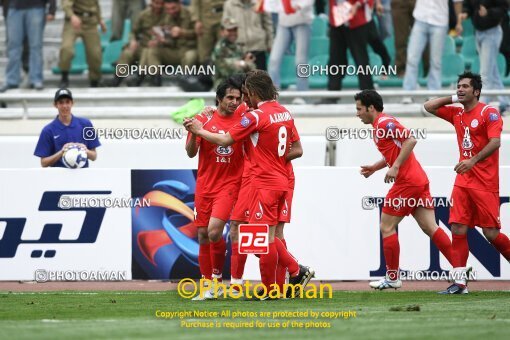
[[245, 121], [493, 117], [390, 126], [474, 123]]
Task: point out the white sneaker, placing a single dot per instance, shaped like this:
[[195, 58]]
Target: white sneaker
[[386, 284], [209, 295]]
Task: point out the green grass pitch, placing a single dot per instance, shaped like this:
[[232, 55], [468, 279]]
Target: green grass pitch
[[132, 315]]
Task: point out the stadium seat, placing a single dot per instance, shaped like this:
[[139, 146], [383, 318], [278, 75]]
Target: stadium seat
[[110, 55], [318, 81], [319, 27], [452, 66], [469, 51], [449, 46], [468, 28], [127, 31], [390, 46], [318, 46], [475, 68], [288, 71], [79, 63], [105, 37]]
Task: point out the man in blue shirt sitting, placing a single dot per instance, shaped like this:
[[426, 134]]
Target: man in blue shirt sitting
[[63, 132]]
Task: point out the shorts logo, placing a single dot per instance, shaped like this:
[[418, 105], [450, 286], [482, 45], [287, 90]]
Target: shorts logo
[[245, 121], [224, 150], [474, 123], [493, 117], [213, 128], [253, 239], [246, 213], [258, 215]]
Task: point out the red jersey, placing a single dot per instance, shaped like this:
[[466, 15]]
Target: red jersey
[[389, 135], [270, 130], [292, 178], [474, 129], [219, 168]]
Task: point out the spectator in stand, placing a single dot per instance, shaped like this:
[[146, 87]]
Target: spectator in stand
[[355, 35], [82, 20], [383, 13], [505, 43], [255, 30], [294, 23], [402, 14], [122, 10], [206, 14], [431, 19], [228, 56], [487, 16], [26, 19], [375, 36]]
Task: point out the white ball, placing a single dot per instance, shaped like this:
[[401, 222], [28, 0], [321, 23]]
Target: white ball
[[74, 157]]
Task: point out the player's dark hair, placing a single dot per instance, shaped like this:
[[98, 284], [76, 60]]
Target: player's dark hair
[[259, 83], [172, 1], [370, 97], [239, 78], [475, 80], [222, 88]]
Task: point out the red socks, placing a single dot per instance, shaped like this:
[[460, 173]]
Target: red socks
[[267, 265], [460, 250], [442, 242], [237, 262], [280, 269], [204, 261], [391, 249], [218, 256], [285, 259], [502, 244]]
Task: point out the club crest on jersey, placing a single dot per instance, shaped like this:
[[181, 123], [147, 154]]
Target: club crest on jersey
[[474, 123], [224, 150], [245, 121], [493, 117], [213, 129], [467, 144]]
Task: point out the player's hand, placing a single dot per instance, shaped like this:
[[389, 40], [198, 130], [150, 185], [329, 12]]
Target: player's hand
[[103, 26], [67, 146], [367, 170], [391, 175], [208, 111], [153, 43], [199, 28], [482, 11], [175, 32], [76, 22], [133, 45], [379, 8], [193, 125], [459, 29], [464, 166], [82, 146], [50, 17]]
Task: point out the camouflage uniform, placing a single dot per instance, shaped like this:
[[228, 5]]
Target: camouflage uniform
[[209, 13], [180, 51], [142, 33], [90, 14], [226, 57]]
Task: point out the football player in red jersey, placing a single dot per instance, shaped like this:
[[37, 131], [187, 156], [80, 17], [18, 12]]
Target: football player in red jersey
[[410, 192], [475, 193], [218, 181], [269, 129]]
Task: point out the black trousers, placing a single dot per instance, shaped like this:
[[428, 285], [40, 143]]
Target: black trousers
[[356, 40], [260, 59]]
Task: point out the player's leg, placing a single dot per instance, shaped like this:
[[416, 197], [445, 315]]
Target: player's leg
[[281, 271], [499, 240], [237, 261], [426, 219], [203, 207], [218, 246], [391, 251]]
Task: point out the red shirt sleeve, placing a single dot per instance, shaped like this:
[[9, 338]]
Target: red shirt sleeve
[[295, 135], [494, 123], [249, 123], [448, 112]]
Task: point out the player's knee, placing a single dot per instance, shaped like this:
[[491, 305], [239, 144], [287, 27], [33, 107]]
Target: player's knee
[[214, 235], [387, 229], [459, 229], [203, 237], [490, 233]]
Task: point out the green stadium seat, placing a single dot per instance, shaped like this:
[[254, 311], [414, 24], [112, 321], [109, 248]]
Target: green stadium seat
[[468, 28], [318, 81], [452, 66], [110, 55], [469, 51], [475, 68], [79, 62], [390, 46], [319, 27], [288, 71], [449, 46], [318, 46], [127, 31]]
